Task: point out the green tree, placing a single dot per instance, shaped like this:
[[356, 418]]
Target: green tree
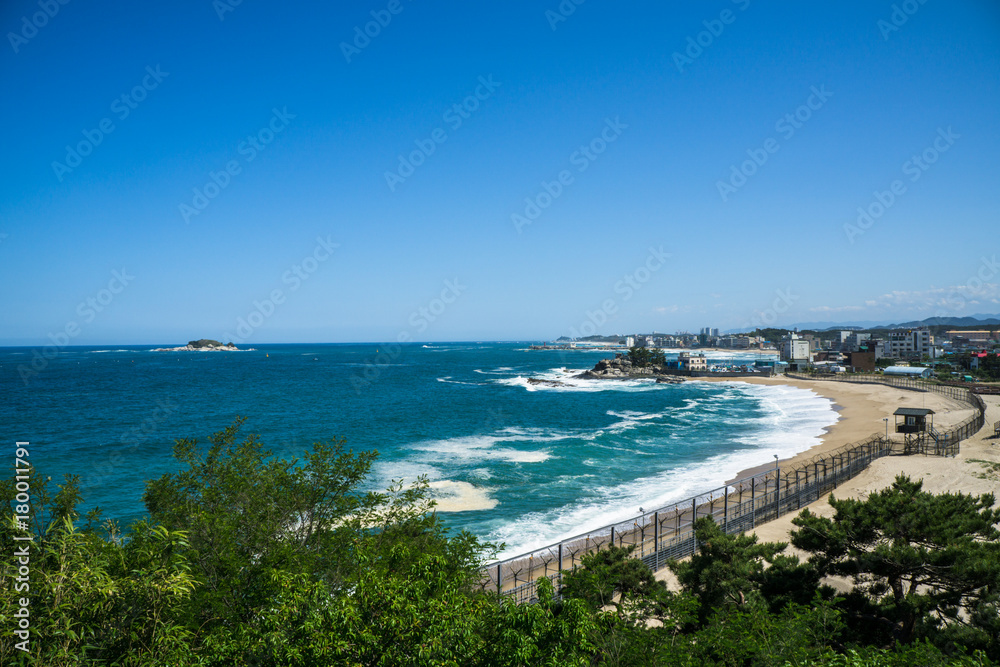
[[923, 565], [93, 598], [247, 514], [612, 577], [738, 572], [639, 356]]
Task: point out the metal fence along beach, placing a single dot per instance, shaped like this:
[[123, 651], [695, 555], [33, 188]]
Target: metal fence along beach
[[668, 532]]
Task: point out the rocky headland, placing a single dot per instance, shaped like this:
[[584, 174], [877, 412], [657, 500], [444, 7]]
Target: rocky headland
[[621, 368]]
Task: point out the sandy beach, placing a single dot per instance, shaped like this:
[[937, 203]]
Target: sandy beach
[[975, 470], [861, 411], [861, 408]]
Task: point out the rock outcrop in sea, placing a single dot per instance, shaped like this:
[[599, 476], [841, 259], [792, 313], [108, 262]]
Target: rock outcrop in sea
[[201, 345], [620, 368]]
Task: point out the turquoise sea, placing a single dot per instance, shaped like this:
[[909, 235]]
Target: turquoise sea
[[515, 462]]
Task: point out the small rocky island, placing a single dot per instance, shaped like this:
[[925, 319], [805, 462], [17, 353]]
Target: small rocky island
[[623, 368], [201, 345]]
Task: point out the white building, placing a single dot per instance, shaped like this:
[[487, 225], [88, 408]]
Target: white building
[[691, 361], [795, 349], [910, 342]]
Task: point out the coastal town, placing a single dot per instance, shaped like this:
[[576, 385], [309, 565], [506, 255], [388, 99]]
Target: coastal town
[[946, 352]]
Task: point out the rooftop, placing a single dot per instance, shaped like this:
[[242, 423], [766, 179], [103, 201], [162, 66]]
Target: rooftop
[[913, 412]]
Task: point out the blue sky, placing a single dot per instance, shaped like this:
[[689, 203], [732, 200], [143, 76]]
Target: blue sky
[[633, 128]]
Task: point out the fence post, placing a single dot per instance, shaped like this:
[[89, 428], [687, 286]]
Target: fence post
[[753, 502], [656, 541], [694, 519], [560, 565], [612, 536], [777, 492], [499, 581], [725, 510]]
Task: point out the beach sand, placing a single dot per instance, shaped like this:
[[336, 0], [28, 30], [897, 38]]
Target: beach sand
[[975, 470], [861, 408]]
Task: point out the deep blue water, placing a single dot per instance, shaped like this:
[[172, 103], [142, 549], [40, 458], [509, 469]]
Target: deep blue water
[[533, 463]]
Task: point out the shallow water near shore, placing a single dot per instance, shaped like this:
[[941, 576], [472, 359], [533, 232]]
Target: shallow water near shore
[[511, 461]]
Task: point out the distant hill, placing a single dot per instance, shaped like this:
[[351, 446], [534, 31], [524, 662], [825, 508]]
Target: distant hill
[[970, 322], [965, 322]]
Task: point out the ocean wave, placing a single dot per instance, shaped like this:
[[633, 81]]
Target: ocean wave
[[485, 447], [791, 421], [103, 351], [496, 371], [448, 380], [568, 382]]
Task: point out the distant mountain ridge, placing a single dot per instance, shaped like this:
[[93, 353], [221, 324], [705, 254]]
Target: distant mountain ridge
[[976, 320], [968, 321]]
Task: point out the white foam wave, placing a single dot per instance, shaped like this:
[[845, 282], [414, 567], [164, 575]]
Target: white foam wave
[[792, 422], [447, 379], [569, 382], [496, 371], [485, 447]]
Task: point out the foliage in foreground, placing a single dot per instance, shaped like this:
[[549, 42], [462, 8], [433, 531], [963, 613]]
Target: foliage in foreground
[[252, 560]]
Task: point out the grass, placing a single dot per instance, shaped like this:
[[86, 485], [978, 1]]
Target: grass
[[992, 469]]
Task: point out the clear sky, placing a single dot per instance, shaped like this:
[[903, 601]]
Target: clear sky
[[488, 171]]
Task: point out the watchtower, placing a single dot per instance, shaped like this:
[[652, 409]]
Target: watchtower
[[917, 427], [915, 420]]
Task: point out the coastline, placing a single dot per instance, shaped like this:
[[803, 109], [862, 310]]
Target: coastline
[[974, 470], [860, 411]]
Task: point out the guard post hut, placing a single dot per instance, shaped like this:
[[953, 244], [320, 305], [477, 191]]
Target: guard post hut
[[915, 423]]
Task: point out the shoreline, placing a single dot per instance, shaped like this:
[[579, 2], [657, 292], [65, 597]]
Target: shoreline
[[860, 409]]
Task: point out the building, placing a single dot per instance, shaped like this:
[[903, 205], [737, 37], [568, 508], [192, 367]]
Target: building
[[972, 335], [629, 341], [915, 420], [978, 358], [690, 361], [854, 340], [795, 350], [862, 361], [908, 343], [909, 371]]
